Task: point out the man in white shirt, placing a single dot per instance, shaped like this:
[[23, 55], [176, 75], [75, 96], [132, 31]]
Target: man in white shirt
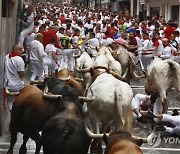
[[167, 50], [50, 62], [146, 56], [28, 24], [14, 71], [36, 55], [138, 101], [93, 45], [173, 119]]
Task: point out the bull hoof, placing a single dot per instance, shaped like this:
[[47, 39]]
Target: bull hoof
[[22, 151]]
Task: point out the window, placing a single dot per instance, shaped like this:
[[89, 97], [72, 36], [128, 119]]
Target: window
[[175, 13], [6, 8], [155, 11]]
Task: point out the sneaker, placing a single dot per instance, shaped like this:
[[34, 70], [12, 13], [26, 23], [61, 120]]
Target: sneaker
[[160, 128], [151, 114], [175, 112], [142, 120]]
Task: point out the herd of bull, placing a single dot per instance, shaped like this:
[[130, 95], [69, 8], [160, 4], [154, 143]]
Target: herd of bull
[[60, 107]]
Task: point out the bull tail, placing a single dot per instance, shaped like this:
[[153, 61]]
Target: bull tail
[[125, 111], [173, 69], [128, 118]]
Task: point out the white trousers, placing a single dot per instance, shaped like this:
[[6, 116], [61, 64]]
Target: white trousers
[[69, 59], [10, 99], [146, 60], [24, 33], [175, 120], [157, 108], [37, 70], [49, 68]]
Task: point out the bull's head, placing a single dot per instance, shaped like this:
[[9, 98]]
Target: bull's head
[[100, 136], [48, 95]]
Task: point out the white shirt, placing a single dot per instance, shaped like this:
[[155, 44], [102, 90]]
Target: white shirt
[[88, 26], [147, 44], [167, 53], [49, 49], [14, 65], [29, 39], [37, 51], [139, 42], [93, 43], [30, 21]]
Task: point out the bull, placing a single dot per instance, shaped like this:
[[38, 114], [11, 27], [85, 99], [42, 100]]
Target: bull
[[112, 102], [83, 64], [161, 76], [127, 61], [103, 59], [65, 131], [68, 77], [31, 110], [121, 142]]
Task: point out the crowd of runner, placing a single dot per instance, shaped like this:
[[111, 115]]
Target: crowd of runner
[[68, 30]]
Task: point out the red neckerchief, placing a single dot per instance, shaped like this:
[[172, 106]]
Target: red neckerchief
[[139, 35], [13, 54], [158, 39], [74, 34], [168, 45]]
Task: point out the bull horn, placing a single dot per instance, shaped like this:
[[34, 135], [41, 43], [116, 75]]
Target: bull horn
[[11, 93], [146, 140], [125, 74], [79, 80], [76, 56], [138, 76], [100, 136], [50, 96], [116, 76], [95, 136], [32, 82], [65, 79], [84, 70], [86, 99]]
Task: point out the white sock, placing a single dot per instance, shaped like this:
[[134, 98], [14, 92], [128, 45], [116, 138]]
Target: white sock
[[169, 130]]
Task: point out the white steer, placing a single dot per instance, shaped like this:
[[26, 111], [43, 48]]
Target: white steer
[[112, 101], [161, 76]]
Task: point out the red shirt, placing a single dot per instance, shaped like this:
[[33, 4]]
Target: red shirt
[[111, 32], [62, 19], [156, 43], [168, 31], [48, 35]]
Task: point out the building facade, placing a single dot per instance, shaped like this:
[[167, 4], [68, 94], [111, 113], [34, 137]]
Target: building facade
[[169, 9], [8, 20]]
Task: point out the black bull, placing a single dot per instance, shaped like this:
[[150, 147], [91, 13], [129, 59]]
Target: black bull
[[31, 111]]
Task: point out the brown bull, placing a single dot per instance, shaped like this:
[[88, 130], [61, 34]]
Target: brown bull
[[121, 142], [29, 113], [127, 61], [68, 77]]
